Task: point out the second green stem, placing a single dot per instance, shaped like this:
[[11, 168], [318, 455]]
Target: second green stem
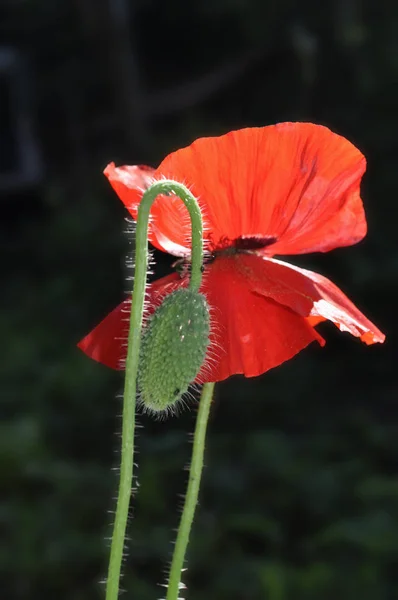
[[191, 498]]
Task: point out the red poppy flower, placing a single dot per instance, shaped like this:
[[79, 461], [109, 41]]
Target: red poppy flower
[[291, 188]]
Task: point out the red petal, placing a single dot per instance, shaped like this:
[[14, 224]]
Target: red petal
[[169, 228], [263, 313], [107, 342], [250, 333], [296, 181], [308, 294]]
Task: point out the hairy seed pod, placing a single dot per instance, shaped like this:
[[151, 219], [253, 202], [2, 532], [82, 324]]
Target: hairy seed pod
[[173, 348]]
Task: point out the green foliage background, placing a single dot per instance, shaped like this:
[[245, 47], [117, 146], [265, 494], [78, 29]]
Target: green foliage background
[[300, 492]]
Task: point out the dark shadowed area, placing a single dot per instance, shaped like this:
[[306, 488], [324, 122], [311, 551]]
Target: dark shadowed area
[[300, 492]]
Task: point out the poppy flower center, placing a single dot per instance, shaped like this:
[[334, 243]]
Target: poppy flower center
[[254, 242], [226, 246], [244, 243]]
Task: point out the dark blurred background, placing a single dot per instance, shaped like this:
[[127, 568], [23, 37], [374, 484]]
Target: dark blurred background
[[300, 492]]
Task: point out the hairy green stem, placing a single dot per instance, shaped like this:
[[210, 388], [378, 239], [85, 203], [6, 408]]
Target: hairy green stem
[[191, 498], [133, 349]]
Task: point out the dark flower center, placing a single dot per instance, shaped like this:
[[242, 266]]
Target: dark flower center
[[254, 242], [244, 243]]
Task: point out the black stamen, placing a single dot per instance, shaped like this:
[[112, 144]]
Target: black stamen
[[254, 242]]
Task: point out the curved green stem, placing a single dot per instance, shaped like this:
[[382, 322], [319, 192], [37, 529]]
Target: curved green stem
[[191, 498], [133, 350]]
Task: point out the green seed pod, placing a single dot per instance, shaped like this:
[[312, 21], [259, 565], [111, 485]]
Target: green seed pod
[[173, 348]]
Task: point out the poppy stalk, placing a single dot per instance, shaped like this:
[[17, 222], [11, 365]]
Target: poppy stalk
[[132, 360]]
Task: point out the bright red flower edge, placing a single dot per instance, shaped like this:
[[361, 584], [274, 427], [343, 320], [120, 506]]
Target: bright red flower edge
[[295, 190]]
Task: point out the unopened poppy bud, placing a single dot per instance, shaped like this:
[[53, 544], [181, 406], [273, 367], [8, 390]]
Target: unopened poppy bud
[[173, 348]]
